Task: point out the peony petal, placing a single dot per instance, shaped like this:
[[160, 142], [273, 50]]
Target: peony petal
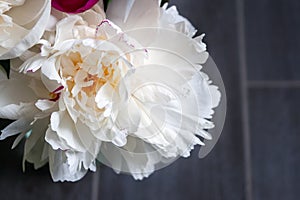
[[32, 64], [78, 160], [19, 126], [119, 136], [35, 144], [18, 140], [50, 76], [15, 91], [45, 105], [170, 18], [16, 111], [104, 95], [64, 30], [95, 15], [162, 41], [128, 116], [56, 143], [16, 33], [28, 12], [140, 164], [132, 14], [63, 125], [92, 145], [38, 130], [60, 169], [32, 37]]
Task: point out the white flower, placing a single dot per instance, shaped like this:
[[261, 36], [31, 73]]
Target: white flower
[[134, 100], [22, 24]]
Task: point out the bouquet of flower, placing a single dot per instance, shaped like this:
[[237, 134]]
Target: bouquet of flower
[[118, 82]]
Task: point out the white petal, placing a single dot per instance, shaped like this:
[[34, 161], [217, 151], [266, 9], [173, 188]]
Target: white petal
[[33, 35], [120, 136], [94, 15], [44, 105], [60, 169], [162, 40], [131, 14], [18, 140], [63, 125], [35, 144], [15, 111], [32, 64], [19, 126], [135, 160], [14, 92], [56, 143], [92, 145], [50, 76], [22, 17], [104, 95], [64, 30], [128, 116], [170, 18]]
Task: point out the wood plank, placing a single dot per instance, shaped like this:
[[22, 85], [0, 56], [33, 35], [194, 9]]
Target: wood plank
[[272, 37], [275, 135], [34, 184]]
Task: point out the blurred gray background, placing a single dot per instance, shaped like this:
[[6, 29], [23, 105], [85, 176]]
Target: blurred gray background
[[256, 45]]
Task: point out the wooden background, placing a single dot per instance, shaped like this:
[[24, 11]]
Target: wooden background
[[256, 46]]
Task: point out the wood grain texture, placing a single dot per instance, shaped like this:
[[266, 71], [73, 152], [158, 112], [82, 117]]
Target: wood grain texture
[[272, 37], [275, 125], [34, 184]]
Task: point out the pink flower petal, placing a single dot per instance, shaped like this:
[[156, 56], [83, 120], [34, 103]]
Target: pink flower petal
[[73, 6]]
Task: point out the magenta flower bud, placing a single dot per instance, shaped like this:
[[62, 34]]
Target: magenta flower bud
[[73, 6]]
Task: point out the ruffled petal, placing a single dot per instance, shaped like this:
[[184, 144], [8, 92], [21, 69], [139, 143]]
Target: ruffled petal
[[132, 14], [35, 145], [30, 38], [60, 168], [62, 124], [170, 18], [55, 141], [134, 158], [19, 126]]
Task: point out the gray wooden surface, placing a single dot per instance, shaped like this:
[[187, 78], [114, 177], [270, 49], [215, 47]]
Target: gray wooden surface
[[275, 148], [273, 44], [257, 39]]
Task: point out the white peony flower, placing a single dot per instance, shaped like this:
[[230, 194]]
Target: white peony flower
[[22, 23], [129, 93]]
